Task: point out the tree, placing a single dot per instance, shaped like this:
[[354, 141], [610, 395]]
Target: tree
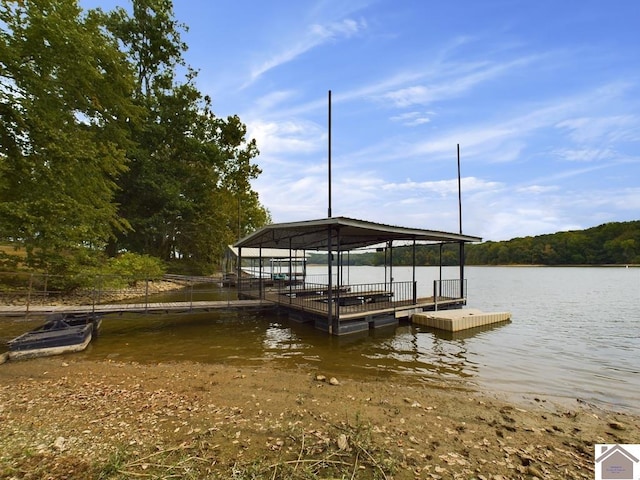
[[65, 102], [187, 192]]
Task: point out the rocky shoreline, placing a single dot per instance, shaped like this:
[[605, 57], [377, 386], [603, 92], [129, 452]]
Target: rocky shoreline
[[88, 297], [67, 418]]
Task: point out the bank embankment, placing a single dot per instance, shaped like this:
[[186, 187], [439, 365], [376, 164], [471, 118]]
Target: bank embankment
[[68, 418]]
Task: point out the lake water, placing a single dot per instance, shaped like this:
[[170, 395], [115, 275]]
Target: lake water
[[575, 334]]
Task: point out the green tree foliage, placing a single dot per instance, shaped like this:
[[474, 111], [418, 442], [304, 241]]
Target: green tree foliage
[[611, 243], [134, 267], [107, 144], [615, 243], [187, 193], [64, 102]]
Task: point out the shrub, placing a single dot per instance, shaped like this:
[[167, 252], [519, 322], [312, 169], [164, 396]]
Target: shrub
[[135, 267]]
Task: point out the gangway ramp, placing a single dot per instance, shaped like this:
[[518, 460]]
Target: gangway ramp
[[120, 308]]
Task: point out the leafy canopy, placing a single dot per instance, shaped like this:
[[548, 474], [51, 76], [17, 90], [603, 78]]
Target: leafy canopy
[[107, 144]]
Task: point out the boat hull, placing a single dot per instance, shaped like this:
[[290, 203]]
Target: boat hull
[[59, 335]]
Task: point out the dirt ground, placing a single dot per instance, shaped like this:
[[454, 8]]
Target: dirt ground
[[62, 418]]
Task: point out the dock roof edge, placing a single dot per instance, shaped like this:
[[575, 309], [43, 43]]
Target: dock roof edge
[[275, 253], [313, 235]]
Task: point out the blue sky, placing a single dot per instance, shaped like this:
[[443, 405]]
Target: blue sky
[[542, 96]]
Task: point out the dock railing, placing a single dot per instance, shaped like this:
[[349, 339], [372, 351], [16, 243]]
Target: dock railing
[[348, 299], [448, 289], [39, 289], [312, 296]]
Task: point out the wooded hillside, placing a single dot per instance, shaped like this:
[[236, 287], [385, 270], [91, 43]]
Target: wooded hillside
[[610, 243], [616, 243]]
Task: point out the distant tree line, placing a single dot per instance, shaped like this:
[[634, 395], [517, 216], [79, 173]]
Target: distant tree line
[[107, 146], [616, 243], [611, 243]]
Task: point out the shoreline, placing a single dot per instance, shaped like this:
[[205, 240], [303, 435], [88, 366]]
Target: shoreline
[[127, 419], [88, 297]]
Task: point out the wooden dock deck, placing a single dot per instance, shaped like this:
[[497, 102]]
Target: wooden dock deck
[[353, 311], [120, 308]]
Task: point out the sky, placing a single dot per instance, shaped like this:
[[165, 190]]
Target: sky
[[542, 97]]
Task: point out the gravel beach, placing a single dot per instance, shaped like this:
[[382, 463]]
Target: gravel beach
[[63, 418]]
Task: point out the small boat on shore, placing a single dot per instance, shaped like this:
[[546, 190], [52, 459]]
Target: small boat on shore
[[60, 334]]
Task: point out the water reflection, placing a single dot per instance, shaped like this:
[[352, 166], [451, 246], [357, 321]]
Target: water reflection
[[575, 333]]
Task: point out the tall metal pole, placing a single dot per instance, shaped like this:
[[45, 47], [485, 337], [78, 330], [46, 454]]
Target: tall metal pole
[[462, 293], [459, 193], [329, 146], [329, 247]]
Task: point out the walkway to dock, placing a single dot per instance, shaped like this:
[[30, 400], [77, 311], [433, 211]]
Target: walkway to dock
[[120, 308]]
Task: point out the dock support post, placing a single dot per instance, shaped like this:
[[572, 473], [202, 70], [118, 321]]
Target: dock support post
[[415, 286], [462, 292], [239, 273], [97, 289], [329, 282], [435, 295], [391, 265], [338, 281], [260, 277], [290, 271], [29, 293]]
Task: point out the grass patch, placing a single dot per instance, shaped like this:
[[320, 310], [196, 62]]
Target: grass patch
[[344, 451]]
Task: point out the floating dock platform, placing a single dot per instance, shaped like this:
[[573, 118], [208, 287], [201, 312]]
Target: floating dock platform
[[456, 320]]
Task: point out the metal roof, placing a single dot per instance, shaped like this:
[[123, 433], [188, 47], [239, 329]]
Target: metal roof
[[342, 234], [279, 253]]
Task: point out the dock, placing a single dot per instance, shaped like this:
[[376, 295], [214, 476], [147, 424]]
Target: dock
[[120, 308], [457, 320], [328, 301]]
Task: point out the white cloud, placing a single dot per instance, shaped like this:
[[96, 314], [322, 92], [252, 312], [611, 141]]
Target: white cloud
[[412, 119], [272, 100], [346, 28], [445, 187], [585, 154], [453, 83], [315, 36], [292, 137], [504, 141], [537, 189], [291, 198], [612, 128]]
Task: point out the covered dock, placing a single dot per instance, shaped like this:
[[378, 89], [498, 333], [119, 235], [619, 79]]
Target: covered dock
[[329, 302], [270, 264]]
